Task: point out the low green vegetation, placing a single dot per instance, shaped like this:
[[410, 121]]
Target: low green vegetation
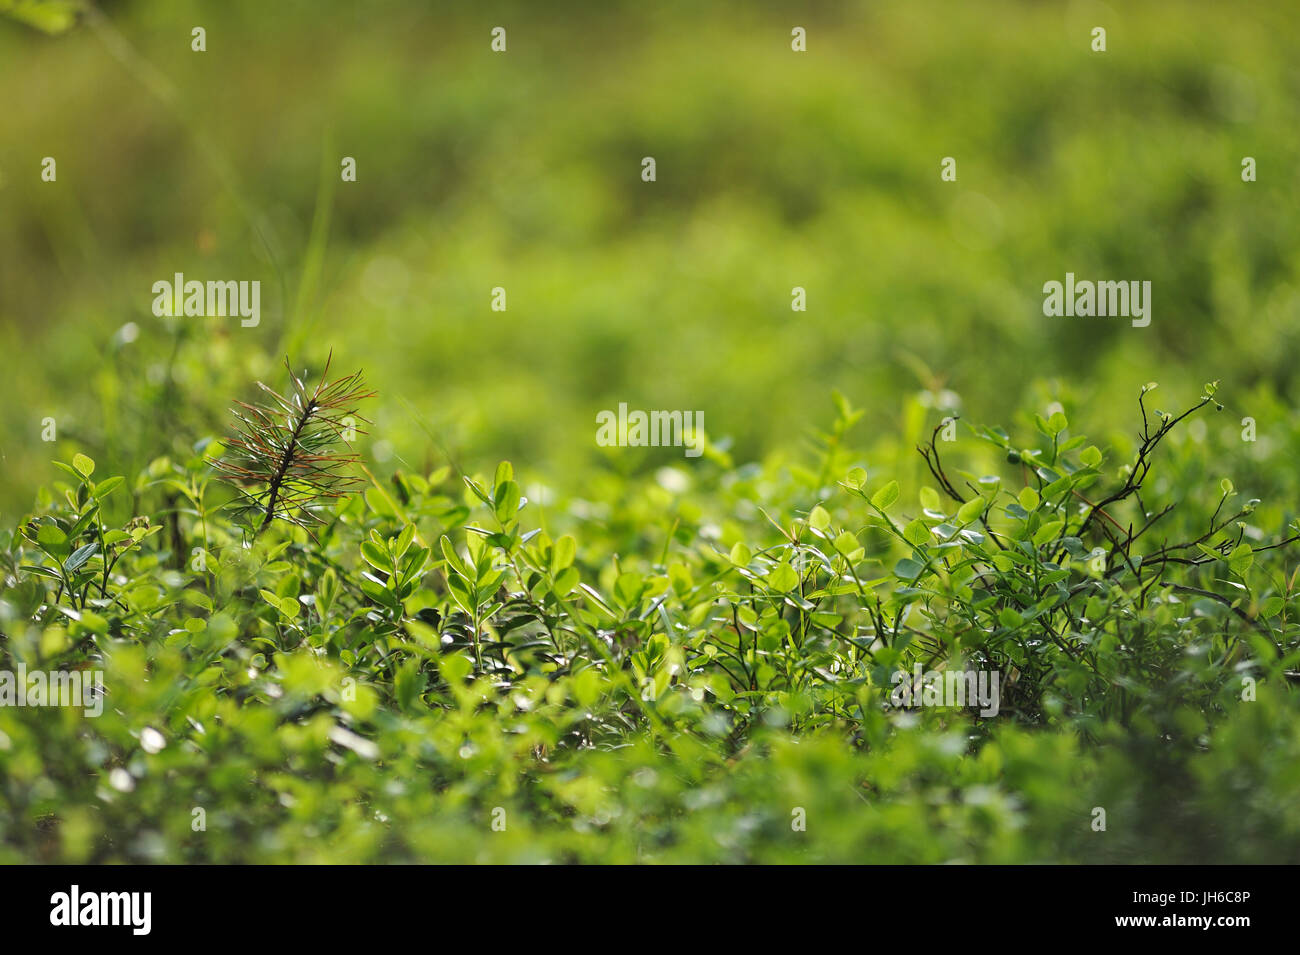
[[702, 669]]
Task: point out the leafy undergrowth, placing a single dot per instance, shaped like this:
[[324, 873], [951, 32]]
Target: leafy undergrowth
[[704, 670]]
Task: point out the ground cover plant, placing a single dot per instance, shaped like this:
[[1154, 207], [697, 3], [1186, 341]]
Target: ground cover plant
[[421, 671]]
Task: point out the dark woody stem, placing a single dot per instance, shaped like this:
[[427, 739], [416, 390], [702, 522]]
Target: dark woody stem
[[277, 479]]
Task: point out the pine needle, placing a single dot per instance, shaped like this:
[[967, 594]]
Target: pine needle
[[282, 458]]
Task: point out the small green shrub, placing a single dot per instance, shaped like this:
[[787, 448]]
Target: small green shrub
[[686, 669]]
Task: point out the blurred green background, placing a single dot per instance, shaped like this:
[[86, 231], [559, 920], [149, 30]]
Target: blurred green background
[[522, 170]]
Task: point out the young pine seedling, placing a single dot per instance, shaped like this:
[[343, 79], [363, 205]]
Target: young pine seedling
[[286, 459]]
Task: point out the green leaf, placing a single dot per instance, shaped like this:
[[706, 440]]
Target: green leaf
[[108, 486], [1010, 617], [886, 496], [477, 491], [378, 503], [506, 503], [451, 557], [783, 577], [1271, 607], [563, 553], [414, 565], [970, 511], [48, 16], [908, 569], [376, 557], [93, 622], [79, 557], [1028, 498], [1047, 532], [629, 587], [403, 541], [83, 465], [819, 519], [566, 581], [41, 571], [847, 543], [222, 627], [1057, 487], [455, 667], [50, 535]]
